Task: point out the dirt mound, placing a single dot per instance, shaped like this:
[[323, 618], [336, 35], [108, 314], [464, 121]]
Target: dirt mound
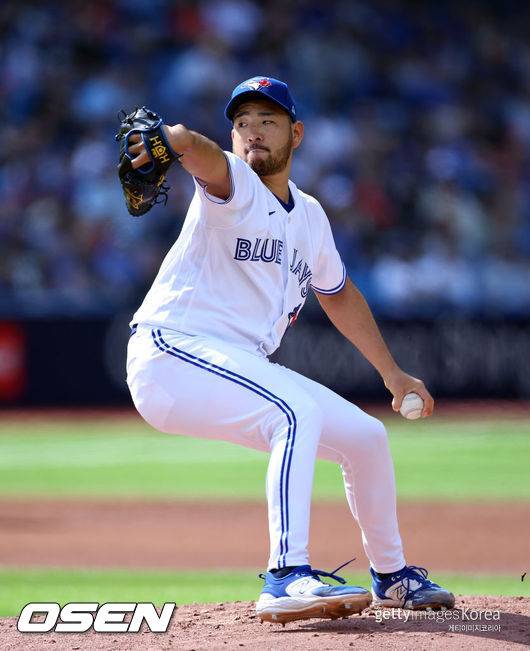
[[483, 622]]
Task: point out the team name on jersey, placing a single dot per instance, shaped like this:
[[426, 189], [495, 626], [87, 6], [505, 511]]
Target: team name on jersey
[[270, 250], [265, 249], [301, 270]]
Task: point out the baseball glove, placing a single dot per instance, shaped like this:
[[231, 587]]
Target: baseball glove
[[144, 187]]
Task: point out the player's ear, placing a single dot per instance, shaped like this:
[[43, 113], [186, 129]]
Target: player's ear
[[298, 133]]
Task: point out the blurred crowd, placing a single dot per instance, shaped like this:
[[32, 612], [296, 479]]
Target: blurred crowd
[[417, 141]]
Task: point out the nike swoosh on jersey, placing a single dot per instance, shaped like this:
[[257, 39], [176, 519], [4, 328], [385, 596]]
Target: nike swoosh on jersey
[[272, 213]]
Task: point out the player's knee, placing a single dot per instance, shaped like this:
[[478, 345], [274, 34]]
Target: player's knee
[[370, 439], [306, 417], [153, 406], [376, 436], [310, 416]]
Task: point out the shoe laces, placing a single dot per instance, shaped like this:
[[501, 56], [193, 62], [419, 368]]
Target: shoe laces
[[319, 573], [415, 573], [332, 575]]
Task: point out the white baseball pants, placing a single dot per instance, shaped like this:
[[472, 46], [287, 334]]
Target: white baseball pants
[[201, 387]]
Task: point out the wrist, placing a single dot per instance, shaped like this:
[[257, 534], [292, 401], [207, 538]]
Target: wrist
[[389, 373], [178, 137]]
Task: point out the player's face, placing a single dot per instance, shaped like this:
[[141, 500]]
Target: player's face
[[264, 136]]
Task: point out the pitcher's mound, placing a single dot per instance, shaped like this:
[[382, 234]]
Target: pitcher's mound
[[476, 621]]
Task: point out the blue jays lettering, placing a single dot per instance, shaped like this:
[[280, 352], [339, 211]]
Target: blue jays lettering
[[271, 250]]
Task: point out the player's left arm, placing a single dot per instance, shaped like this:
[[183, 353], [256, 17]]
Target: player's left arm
[[199, 156], [350, 314]]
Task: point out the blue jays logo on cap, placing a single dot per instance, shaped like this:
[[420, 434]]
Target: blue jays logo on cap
[[261, 88], [255, 84]]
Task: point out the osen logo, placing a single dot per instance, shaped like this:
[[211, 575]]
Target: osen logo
[[78, 617]]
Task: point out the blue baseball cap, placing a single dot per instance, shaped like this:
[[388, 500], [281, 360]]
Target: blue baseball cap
[[261, 88]]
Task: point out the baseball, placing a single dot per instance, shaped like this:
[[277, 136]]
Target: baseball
[[412, 406]]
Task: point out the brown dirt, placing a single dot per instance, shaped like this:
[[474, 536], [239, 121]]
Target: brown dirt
[[479, 537], [210, 627], [460, 537]]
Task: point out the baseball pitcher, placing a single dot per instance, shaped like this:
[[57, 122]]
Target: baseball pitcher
[[251, 248]]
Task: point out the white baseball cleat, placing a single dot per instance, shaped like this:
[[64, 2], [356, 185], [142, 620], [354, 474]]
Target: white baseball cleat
[[302, 595]]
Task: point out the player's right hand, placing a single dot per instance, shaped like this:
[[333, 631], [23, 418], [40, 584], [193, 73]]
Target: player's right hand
[[401, 383]]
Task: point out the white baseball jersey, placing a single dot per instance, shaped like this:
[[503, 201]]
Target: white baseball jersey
[[197, 365], [241, 269]]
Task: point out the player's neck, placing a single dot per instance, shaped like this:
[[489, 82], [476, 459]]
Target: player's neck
[[278, 184]]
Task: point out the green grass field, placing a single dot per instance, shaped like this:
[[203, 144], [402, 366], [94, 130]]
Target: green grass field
[[440, 459]]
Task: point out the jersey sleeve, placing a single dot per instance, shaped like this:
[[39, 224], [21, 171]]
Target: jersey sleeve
[[228, 212], [329, 274]]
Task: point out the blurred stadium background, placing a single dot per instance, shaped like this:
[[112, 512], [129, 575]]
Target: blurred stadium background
[[417, 143]]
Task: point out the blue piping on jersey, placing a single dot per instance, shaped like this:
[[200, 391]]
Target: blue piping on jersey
[[334, 290], [265, 393]]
